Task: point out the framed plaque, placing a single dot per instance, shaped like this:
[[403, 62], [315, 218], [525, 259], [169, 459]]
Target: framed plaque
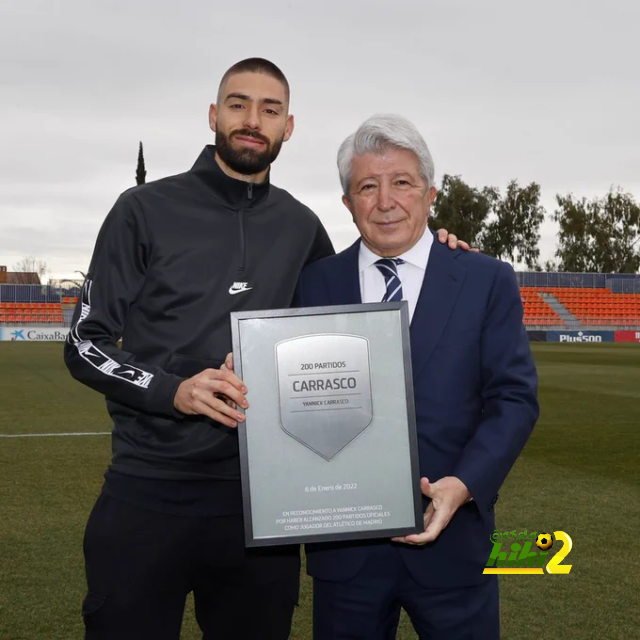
[[328, 450]]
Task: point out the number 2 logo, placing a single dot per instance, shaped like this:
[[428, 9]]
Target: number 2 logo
[[554, 566]]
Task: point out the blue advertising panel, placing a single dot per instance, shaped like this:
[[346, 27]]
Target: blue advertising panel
[[580, 336]]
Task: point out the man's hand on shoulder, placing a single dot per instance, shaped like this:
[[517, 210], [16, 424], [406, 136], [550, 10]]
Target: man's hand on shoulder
[[214, 393], [444, 237], [447, 495]]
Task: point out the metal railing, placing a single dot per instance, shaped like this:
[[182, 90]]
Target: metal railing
[[616, 282]]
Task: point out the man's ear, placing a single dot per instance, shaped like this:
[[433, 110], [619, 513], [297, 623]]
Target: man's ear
[[431, 196], [290, 126], [213, 117], [347, 203]]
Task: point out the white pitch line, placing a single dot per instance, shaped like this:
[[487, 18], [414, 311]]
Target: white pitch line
[[55, 435]]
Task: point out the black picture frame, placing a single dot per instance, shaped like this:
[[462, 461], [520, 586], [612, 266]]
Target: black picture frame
[[244, 436]]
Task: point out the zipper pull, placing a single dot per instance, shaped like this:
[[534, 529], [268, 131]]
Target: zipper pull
[[250, 190]]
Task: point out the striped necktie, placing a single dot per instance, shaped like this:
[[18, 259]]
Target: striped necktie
[[388, 268]]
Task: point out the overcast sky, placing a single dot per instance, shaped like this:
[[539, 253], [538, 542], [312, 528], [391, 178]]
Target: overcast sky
[[546, 91]]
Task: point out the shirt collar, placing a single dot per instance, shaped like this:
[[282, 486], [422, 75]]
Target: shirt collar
[[418, 255], [235, 193]]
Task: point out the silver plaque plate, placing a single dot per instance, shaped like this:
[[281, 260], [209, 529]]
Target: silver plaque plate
[[331, 405], [324, 383]]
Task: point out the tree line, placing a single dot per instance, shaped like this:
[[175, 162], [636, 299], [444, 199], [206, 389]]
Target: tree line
[[600, 235], [597, 235]]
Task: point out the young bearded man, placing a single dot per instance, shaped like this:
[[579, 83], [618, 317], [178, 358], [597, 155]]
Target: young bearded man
[[173, 259]]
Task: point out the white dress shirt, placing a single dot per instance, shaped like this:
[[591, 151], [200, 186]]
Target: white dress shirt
[[411, 273]]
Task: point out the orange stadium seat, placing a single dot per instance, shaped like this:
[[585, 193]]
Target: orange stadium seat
[[31, 312], [600, 307], [536, 310]]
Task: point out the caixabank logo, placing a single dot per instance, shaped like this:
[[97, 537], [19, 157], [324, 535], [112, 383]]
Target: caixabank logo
[[31, 334], [521, 557]]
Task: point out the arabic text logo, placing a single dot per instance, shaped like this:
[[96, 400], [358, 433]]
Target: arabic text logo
[[519, 558]]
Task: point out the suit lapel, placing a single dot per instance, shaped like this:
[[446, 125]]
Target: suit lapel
[[345, 279], [442, 283]]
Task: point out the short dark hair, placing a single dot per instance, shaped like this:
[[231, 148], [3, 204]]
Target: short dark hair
[[255, 65]]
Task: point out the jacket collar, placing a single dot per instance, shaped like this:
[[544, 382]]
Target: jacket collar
[[235, 193]]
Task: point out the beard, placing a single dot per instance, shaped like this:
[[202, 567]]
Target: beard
[[247, 161]]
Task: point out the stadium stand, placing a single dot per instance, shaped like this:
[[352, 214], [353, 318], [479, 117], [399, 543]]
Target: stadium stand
[[600, 307], [537, 311], [586, 307], [37, 305], [31, 313], [580, 300], [564, 301]]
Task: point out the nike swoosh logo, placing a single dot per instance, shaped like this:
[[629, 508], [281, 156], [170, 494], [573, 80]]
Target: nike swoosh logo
[[233, 291]]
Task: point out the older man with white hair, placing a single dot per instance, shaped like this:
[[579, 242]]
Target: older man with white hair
[[475, 392]]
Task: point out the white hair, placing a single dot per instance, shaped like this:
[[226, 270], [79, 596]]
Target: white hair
[[378, 134]]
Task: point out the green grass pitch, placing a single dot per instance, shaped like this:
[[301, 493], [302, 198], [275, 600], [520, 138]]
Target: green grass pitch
[[579, 473]]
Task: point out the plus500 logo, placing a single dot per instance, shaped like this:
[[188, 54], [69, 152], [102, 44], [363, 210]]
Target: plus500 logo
[[579, 338]]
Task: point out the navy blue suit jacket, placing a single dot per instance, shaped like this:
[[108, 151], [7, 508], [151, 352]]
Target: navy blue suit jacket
[[475, 389]]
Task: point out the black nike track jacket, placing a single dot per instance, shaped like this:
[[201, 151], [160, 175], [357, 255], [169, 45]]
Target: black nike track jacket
[[172, 260]]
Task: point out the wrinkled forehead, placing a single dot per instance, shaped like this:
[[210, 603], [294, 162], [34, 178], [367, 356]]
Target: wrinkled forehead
[[256, 86], [387, 161]]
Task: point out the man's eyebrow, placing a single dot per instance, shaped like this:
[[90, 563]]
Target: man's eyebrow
[[237, 96], [242, 96], [376, 176], [366, 179]]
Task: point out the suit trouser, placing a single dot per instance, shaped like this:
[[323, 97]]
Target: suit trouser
[[367, 607], [141, 565]]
